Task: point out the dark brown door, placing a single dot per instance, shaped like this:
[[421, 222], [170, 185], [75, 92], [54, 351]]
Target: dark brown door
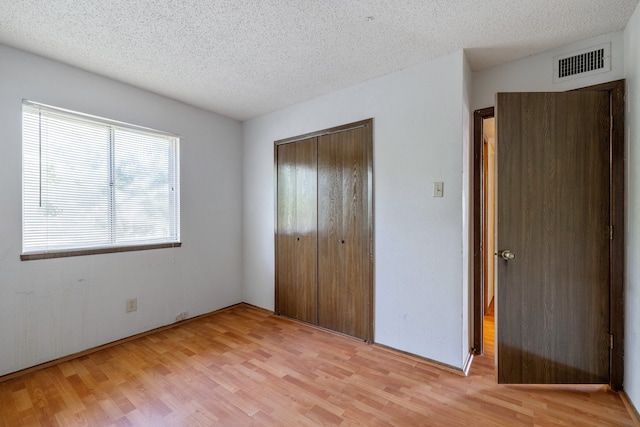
[[553, 214], [344, 276], [296, 239]]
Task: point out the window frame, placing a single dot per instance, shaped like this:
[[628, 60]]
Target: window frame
[[173, 164]]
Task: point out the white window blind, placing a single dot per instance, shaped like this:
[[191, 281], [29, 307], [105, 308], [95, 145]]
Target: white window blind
[[92, 183]]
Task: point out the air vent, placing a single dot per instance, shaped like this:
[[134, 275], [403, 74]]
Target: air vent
[[582, 63]]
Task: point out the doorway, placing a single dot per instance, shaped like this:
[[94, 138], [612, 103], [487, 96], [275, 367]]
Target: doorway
[[489, 224], [484, 229], [482, 252]]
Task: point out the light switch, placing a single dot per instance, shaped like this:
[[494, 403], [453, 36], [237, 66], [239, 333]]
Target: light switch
[[438, 189]]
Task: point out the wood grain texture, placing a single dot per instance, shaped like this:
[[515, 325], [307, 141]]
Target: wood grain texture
[[244, 366], [324, 277], [296, 238], [344, 251], [553, 210], [616, 91]]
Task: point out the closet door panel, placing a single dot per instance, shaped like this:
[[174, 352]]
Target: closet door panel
[[344, 282], [296, 238]]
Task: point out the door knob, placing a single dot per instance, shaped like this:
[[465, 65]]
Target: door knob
[[507, 255]]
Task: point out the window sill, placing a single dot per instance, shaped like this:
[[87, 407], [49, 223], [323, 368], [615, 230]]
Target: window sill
[[96, 251]]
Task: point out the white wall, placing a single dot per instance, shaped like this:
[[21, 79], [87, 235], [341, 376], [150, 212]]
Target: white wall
[[632, 116], [535, 73], [421, 293], [52, 308], [467, 207]]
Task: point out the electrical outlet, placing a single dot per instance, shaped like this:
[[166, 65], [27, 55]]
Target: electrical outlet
[[181, 316], [132, 305]]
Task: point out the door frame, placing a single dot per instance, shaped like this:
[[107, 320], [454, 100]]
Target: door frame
[[616, 90], [478, 227]]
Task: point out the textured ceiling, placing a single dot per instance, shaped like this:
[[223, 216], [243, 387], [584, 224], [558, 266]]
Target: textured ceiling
[[244, 58]]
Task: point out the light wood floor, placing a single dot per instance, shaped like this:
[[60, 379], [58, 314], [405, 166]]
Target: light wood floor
[[488, 335], [243, 366]]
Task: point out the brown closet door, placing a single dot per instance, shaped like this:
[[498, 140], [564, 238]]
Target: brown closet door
[[344, 268], [296, 239]]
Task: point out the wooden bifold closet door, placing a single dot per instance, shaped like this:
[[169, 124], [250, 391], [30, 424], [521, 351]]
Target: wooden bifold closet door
[[324, 229], [296, 239]]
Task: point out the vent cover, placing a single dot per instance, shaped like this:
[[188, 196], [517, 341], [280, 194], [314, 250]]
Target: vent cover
[[582, 63]]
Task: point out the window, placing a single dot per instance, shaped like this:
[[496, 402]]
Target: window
[[92, 185]]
